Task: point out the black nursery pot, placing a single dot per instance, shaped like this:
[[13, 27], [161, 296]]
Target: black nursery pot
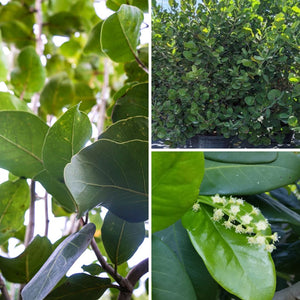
[[208, 141]]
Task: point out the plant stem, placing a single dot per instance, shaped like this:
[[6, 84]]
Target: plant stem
[[30, 227], [46, 214], [4, 290]]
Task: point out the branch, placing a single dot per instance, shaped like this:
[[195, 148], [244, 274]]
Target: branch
[[46, 215], [138, 271], [4, 290], [290, 293], [30, 227]]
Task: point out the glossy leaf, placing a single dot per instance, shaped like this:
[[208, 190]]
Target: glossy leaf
[[30, 75], [120, 238], [56, 94], [243, 179], [11, 102], [176, 177], [134, 102], [64, 139], [93, 43], [122, 47], [22, 136], [120, 180], [58, 263], [242, 157], [176, 237], [22, 268], [169, 278], [14, 200], [80, 286], [244, 270]]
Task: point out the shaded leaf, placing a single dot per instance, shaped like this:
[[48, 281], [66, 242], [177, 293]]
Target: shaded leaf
[[22, 268], [244, 270], [121, 239], [124, 26], [58, 263], [176, 177], [14, 200], [134, 102], [22, 136], [29, 75], [93, 269], [85, 96], [169, 279], [176, 237], [80, 286], [93, 43], [11, 102], [243, 179]]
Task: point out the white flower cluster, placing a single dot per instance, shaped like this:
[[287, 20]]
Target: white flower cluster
[[252, 223]]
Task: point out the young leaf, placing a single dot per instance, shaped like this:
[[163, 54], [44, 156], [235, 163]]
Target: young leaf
[[58, 264], [22, 137], [244, 270], [22, 268], [30, 75], [122, 47], [121, 239], [80, 286], [14, 200], [176, 237], [64, 139], [169, 279], [176, 178], [242, 179]]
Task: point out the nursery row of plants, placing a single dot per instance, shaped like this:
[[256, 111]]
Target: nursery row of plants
[[226, 68]]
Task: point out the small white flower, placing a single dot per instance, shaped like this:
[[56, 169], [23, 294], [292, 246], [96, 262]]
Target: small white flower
[[274, 237], [260, 119], [251, 239], [260, 240], [218, 199], [262, 225], [255, 211], [196, 207], [246, 219], [269, 129], [249, 229], [234, 209], [218, 214], [240, 201], [228, 224], [239, 229], [232, 200], [270, 247]]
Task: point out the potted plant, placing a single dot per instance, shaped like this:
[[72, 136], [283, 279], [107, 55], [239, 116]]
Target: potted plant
[[225, 68]]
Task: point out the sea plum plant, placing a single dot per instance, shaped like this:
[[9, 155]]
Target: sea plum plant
[[227, 222], [73, 127]]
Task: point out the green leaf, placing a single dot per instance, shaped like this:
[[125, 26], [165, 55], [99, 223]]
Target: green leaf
[[85, 96], [11, 102], [247, 179], [22, 137], [58, 263], [177, 239], [64, 139], [93, 269], [113, 171], [115, 4], [274, 94], [169, 278], [14, 199], [56, 94], [124, 26], [176, 178], [30, 75], [134, 102], [120, 238], [93, 43], [3, 62], [244, 270], [22, 268], [80, 286]]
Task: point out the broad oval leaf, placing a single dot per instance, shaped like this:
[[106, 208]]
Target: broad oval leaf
[[248, 179], [64, 139], [22, 268], [14, 200], [81, 286], [134, 102], [112, 174], [244, 270], [176, 237], [11, 102], [120, 238], [169, 279], [22, 137], [176, 178], [58, 263], [124, 26], [30, 75]]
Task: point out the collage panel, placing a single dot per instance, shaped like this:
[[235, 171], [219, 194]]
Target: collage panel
[[225, 225], [225, 74]]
